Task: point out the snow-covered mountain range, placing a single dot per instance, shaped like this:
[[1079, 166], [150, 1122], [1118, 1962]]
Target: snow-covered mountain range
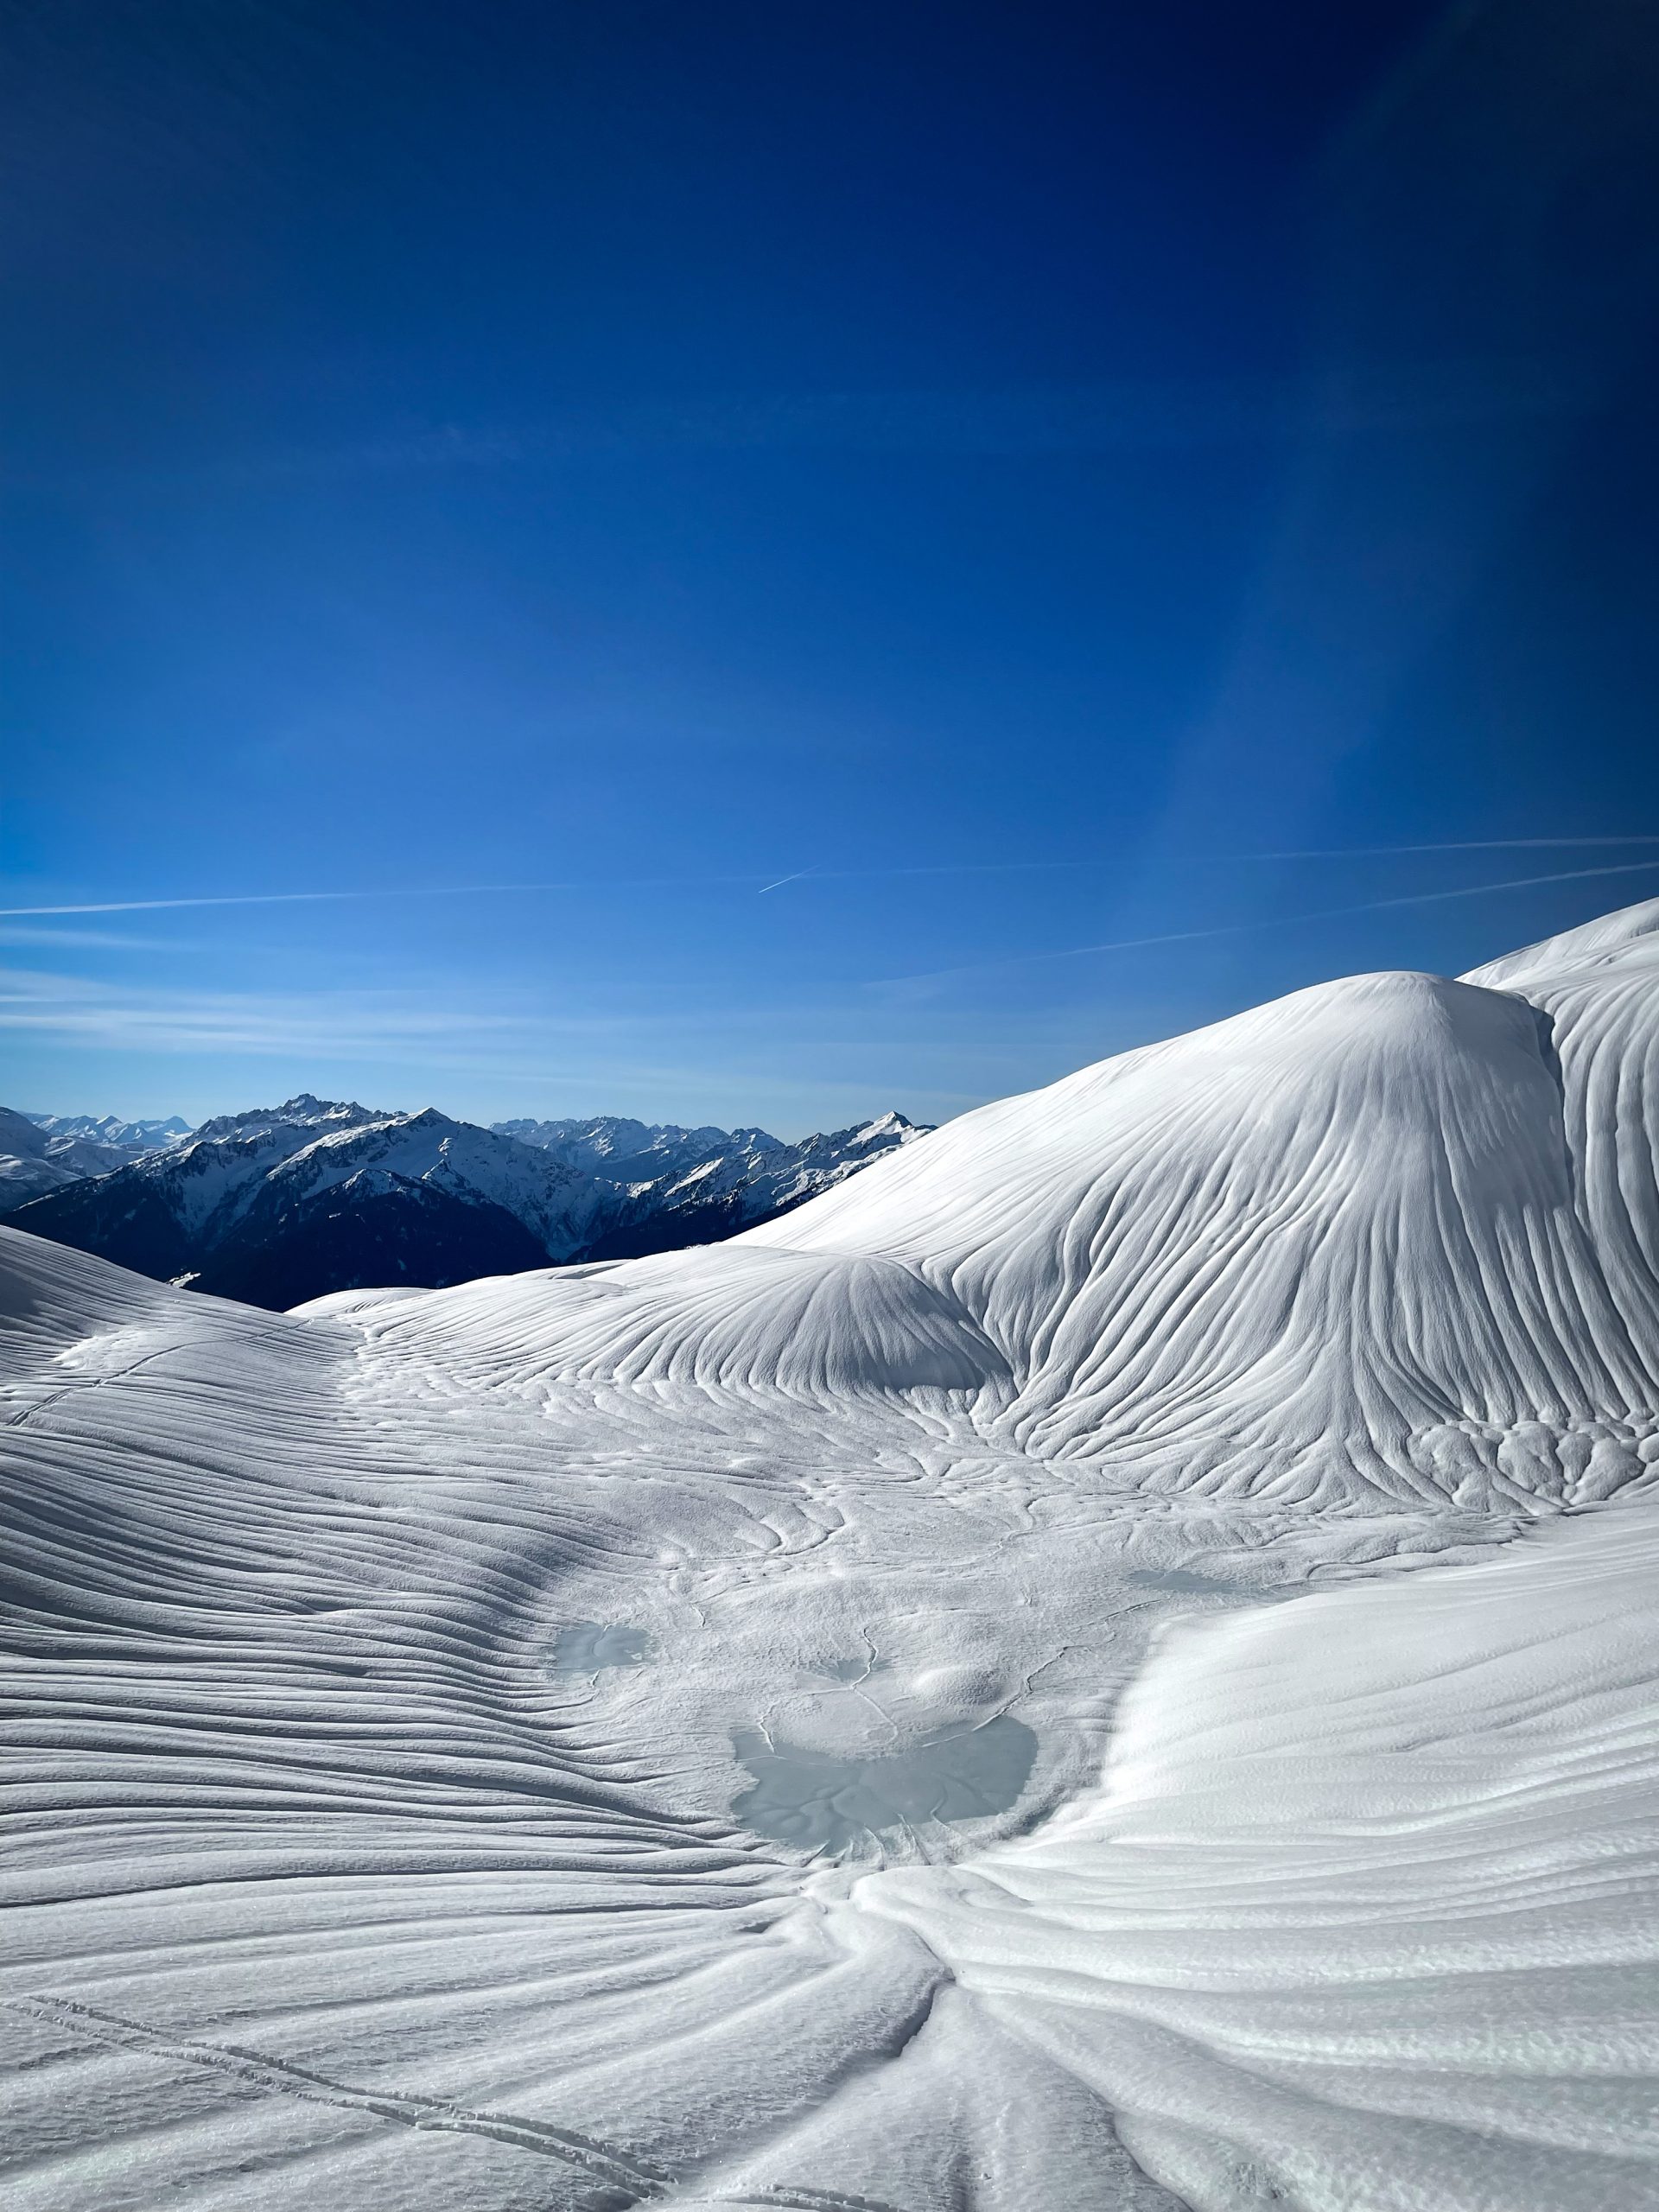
[[670, 1187], [48, 1152], [284, 1203], [626, 1151], [109, 1128], [1107, 1660]]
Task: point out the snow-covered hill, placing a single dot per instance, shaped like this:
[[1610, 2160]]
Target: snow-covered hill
[[1109, 1661], [1392, 1238]]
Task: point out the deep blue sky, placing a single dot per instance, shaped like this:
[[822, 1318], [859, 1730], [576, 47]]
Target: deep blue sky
[[1022, 465]]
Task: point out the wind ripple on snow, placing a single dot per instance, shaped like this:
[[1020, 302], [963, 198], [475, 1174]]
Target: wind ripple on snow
[[395, 1690]]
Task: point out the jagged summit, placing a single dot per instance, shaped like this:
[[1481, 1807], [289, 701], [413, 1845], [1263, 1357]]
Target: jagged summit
[[303, 1111]]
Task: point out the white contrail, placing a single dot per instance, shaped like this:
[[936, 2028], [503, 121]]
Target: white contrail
[[1189, 860], [401, 891], [833, 875], [1280, 921]]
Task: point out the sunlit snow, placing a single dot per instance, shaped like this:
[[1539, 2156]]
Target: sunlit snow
[[1110, 1660]]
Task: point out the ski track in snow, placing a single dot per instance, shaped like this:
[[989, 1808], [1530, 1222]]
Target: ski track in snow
[[1108, 1662]]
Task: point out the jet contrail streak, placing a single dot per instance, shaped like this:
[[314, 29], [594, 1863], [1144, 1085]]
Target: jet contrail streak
[[405, 891], [836, 875], [1276, 921], [1186, 860]]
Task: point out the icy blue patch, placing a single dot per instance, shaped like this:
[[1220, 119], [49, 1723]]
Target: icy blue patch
[[1175, 1578], [816, 1802], [589, 1647]]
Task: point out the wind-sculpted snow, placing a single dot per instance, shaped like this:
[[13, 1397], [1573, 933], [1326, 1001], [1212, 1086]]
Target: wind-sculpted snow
[[1366, 1910], [1396, 1236], [1015, 1686], [738, 1317], [1391, 1240]]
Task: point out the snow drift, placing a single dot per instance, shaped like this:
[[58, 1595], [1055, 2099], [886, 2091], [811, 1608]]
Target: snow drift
[[1390, 1239], [1107, 1661]]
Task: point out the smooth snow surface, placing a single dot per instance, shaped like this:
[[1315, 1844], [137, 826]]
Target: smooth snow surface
[[1112, 1661]]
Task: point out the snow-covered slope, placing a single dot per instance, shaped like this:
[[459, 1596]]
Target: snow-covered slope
[[1391, 1239], [1347, 1235], [1365, 1909], [1108, 1662]]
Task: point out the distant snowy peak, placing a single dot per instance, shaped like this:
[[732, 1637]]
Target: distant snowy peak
[[26, 1172], [304, 1112], [285, 1203], [161, 1212], [279, 1204], [46, 1152], [750, 1178], [109, 1128], [799, 1172], [661, 1154], [848, 1150], [557, 1202], [624, 1150]]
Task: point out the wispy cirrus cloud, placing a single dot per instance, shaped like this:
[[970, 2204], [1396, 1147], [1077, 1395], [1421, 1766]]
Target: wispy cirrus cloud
[[43, 936], [751, 881], [370, 1024], [606, 1062]]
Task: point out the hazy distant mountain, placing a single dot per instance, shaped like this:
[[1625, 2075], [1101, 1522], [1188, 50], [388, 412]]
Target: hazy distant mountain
[[282, 1203], [48, 1152], [109, 1128]]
